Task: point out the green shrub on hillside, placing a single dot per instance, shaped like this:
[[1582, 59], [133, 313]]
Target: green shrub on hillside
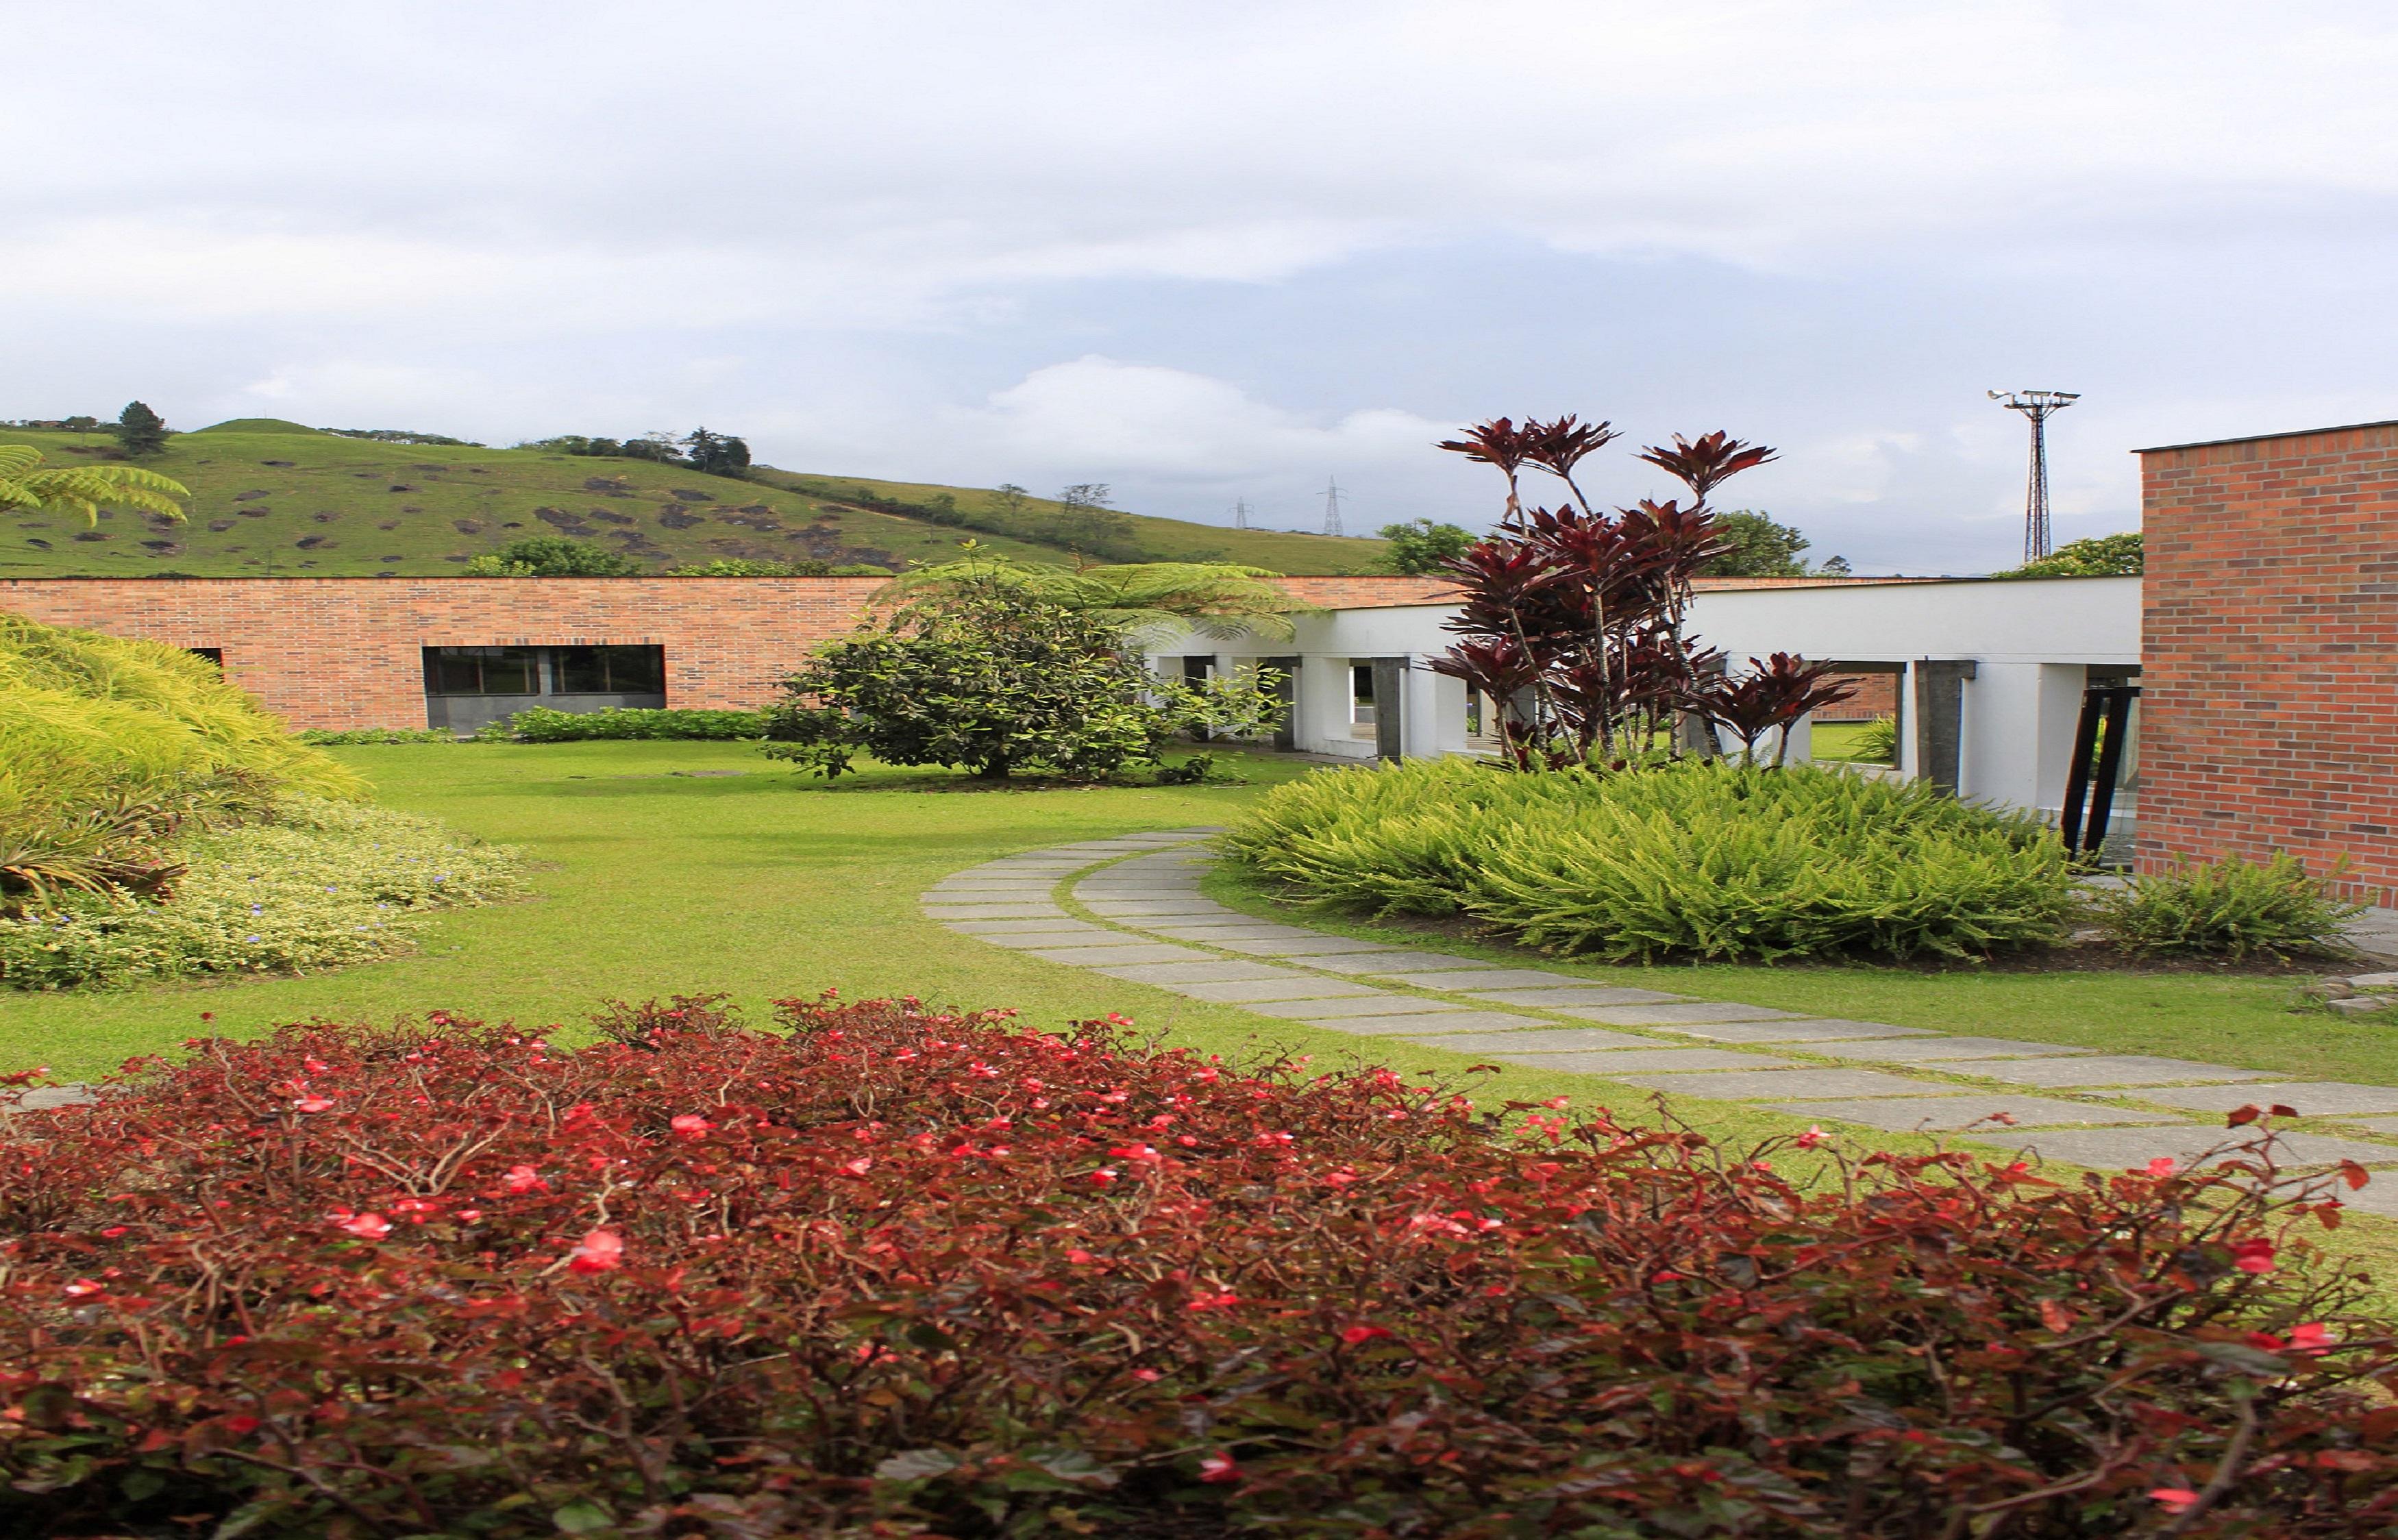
[[1691, 860], [2228, 908], [322, 884]]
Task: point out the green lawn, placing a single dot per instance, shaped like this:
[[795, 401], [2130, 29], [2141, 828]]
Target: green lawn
[[655, 877], [659, 878], [2229, 1018]]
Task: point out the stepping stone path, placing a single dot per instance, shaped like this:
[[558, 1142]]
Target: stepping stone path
[[1130, 908]]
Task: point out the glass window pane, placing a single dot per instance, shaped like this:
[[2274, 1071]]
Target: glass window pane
[[481, 670], [637, 670], [580, 671], [611, 670]]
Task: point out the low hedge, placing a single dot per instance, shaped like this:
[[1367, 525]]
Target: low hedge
[[351, 737], [902, 1273], [1696, 859], [541, 725], [2228, 908], [319, 884]]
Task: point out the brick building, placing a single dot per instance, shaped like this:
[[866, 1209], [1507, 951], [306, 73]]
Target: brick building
[[2269, 672], [402, 652]]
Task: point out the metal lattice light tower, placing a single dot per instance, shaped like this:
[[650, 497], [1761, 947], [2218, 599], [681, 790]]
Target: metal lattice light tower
[[1332, 507], [2037, 405], [1241, 513]]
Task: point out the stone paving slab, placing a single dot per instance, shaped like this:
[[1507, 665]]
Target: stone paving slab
[[1668, 1015], [1199, 928], [1492, 978], [1587, 995], [1563, 1040], [1377, 1004], [2378, 1125], [1765, 1085], [1367, 961], [1398, 960], [1135, 909], [1304, 986], [1942, 1114], [1611, 1061], [2118, 1149], [1055, 926], [2378, 1195], [1798, 1029], [2313, 1099], [43, 1098], [1427, 1024], [1170, 973], [1291, 947], [2108, 1069], [1932, 1050], [1091, 937], [1119, 956], [993, 911]]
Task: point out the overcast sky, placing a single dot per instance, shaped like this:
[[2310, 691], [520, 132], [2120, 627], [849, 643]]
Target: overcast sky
[[1205, 251]]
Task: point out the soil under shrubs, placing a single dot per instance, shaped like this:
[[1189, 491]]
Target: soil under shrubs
[[895, 1272]]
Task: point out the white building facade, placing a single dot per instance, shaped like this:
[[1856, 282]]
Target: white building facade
[[1992, 672]]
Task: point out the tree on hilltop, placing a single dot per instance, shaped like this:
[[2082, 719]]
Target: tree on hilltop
[[139, 430]]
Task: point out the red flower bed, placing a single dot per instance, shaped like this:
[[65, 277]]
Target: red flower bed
[[897, 1273]]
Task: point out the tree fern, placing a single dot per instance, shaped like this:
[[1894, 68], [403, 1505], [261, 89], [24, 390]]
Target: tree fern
[[27, 486]]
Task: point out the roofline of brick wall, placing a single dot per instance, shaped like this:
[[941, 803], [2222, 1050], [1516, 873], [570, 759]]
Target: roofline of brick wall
[[2269, 438]]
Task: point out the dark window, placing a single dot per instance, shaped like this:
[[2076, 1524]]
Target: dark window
[[611, 670], [482, 671], [1198, 669], [213, 654]]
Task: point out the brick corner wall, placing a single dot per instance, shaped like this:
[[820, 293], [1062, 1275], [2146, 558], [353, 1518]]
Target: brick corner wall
[[2269, 674]]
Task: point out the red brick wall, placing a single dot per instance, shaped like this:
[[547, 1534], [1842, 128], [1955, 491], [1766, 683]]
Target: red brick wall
[[345, 652], [2269, 678]]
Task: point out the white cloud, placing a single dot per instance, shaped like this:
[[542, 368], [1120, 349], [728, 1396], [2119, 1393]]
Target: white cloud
[[831, 224]]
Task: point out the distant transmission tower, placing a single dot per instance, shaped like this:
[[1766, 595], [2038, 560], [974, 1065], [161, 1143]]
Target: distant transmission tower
[[1332, 508], [1241, 513], [2037, 405]]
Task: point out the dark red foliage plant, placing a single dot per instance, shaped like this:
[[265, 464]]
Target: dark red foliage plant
[[898, 1272], [1573, 618]]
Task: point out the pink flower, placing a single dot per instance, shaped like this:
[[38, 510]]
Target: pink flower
[[2175, 1499], [691, 1125], [84, 1288], [1219, 1466], [2163, 1167], [366, 1226], [1104, 1175], [1148, 1375], [1224, 1301], [2310, 1338], [1080, 1257], [313, 1103], [522, 1179], [1358, 1335], [1137, 1152], [602, 1251], [1812, 1137], [2253, 1257], [858, 1166]]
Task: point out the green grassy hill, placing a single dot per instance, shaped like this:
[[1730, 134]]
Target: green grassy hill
[[270, 497]]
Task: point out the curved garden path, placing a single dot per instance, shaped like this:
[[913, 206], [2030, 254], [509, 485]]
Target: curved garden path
[[1130, 908]]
